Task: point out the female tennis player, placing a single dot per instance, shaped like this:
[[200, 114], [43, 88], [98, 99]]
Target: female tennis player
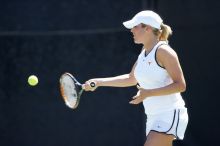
[[160, 78]]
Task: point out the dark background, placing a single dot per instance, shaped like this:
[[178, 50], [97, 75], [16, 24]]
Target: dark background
[[87, 39]]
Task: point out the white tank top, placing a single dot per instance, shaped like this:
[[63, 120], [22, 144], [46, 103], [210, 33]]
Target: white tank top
[[150, 75]]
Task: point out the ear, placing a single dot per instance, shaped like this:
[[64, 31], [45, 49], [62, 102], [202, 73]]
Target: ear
[[147, 28]]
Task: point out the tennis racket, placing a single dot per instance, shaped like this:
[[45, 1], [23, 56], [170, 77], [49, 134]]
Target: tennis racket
[[71, 90]]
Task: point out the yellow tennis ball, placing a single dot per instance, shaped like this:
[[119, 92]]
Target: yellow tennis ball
[[32, 80]]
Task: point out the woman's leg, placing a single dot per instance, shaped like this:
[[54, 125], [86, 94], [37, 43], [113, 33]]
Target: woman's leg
[[159, 139]]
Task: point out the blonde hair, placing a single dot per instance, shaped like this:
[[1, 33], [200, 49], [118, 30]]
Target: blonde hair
[[164, 33]]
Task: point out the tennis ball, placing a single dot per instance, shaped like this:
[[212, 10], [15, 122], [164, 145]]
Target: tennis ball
[[32, 80]]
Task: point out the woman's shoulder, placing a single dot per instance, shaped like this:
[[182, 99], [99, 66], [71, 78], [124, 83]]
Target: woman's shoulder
[[166, 55], [165, 51]]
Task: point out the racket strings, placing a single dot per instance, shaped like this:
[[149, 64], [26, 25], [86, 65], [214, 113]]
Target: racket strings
[[71, 90]]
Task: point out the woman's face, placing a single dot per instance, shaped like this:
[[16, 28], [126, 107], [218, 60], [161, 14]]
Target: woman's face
[[139, 34]]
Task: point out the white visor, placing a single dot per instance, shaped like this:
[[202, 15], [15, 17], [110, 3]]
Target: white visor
[[146, 17]]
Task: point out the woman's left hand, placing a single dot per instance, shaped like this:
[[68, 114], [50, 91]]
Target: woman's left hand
[[140, 96]]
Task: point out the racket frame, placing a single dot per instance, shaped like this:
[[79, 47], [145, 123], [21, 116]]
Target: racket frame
[[78, 87]]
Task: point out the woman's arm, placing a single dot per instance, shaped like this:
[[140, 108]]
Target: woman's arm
[[168, 58], [118, 81]]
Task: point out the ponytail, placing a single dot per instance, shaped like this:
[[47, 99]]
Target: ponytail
[[166, 32]]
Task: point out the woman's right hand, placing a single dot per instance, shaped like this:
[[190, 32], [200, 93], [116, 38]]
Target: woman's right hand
[[87, 85]]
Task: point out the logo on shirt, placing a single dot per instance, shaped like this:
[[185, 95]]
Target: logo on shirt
[[149, 62]]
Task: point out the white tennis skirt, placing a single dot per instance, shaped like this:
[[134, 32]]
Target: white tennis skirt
[[172, 122]]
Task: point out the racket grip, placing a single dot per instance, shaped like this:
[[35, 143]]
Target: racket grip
[[92, 84]]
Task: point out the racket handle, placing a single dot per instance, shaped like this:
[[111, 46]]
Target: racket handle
[[92, 84]]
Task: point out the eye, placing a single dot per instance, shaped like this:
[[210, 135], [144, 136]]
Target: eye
[[135, 26]]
